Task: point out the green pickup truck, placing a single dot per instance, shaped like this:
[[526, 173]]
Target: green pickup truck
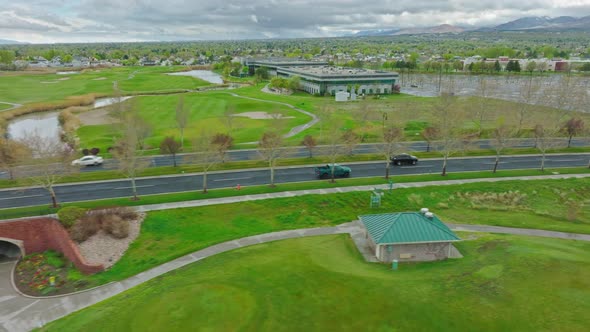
[[325, 172]]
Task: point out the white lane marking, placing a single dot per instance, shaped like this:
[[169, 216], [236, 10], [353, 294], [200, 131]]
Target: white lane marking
[[233, 179], [6, 298], [144, 186], [564, 160], [21, 197], [492, 163], [410, 167]]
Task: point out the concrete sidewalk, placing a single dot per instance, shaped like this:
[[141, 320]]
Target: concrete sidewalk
[[20, 313], [236, 199]]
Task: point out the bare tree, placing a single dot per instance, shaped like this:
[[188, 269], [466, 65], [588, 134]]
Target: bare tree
[[222, 143], [324, 115], [12, 154], [170, 146], [500, 141], [269, 148], [310, 143], [573, 127], [142, 127], [430, 134], [485, 90], [52, 161], [449, 125], [333, 148], [181, 118], [544, 140], [392, 135], [125, 151], [207, 155], [362, 116], [568, 95], [230, 115], [528, 96], [350, 139]]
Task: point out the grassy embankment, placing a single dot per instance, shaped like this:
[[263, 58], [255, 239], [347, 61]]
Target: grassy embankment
[[559, 205], [504, 283]]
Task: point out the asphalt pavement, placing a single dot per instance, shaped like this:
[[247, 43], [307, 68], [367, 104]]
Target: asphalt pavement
[[10, 198]]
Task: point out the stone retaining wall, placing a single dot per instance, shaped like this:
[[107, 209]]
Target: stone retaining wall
[[41, 234]]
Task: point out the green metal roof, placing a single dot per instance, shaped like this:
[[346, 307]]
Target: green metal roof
[[406, 227]]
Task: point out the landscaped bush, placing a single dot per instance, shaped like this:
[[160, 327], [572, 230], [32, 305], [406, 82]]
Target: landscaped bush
[[85, 228], [113, 221], [94, 151], [69, 215], [116, 226]]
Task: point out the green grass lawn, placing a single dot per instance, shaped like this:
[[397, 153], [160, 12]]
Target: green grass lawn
[[35, 87], [169, 234], [206, 114], [4, 106], [504, 283]]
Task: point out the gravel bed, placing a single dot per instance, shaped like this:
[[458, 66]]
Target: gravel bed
[[104, 249]]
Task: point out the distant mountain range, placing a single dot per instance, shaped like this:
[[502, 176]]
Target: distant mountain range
[[534, 23], [9, 42]]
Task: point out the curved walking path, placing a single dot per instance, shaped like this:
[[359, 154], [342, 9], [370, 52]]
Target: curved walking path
[[22, 313], [295, 130], [10, 108]]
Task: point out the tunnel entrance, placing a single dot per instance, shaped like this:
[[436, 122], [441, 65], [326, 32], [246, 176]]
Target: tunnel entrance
[[9, 251]]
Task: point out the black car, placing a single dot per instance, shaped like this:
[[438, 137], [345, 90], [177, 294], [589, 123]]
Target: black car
[[404, 159]]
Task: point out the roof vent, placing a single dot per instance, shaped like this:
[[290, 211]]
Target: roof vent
[[423, 210], [429, 215]]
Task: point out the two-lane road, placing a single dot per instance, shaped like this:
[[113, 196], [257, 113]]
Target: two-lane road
[[177, 183]]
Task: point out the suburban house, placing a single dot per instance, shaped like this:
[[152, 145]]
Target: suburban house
[[409, 237]]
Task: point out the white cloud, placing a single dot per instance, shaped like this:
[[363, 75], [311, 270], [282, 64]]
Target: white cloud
[[135, 20]]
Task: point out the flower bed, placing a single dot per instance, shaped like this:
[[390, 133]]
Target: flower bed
[[48, 273]]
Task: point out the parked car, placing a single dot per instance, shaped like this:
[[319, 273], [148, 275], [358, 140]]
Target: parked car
[[325, 172], [404, 159], [88, 161]]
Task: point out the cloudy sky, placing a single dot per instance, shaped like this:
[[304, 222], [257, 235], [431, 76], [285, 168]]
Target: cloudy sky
[[56, 21]]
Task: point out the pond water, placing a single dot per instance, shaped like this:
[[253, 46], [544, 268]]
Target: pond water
[[102, 102], [43, 124], [205, 75], [500, 87]]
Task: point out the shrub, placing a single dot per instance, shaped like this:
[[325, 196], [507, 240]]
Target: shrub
[[94, 151], [85, 228], [115, 226], [85, 152], [54, 259], [69, 215]]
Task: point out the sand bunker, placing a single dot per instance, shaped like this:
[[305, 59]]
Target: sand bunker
[[263, 115], [49, 82], [63, 79], [96, 117], [99, 78]]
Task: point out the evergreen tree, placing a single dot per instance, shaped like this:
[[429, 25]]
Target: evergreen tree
[[497, 66]]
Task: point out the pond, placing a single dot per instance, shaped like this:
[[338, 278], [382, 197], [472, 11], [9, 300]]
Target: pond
[[205, 75], [102, 102], [43, 124], [498, 86]]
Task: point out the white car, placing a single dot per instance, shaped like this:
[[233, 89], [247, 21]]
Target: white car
[[88, 161]]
